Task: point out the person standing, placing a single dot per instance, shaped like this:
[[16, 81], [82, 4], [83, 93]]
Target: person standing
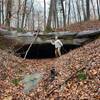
[[58, 44]]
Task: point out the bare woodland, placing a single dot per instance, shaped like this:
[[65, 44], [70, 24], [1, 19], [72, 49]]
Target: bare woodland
[[22, 14], [75, 75]]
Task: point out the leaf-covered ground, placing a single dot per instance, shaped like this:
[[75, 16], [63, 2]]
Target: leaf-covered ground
[[87, 25], [84, 86]]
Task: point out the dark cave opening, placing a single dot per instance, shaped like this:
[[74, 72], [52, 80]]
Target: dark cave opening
[[47, 50]]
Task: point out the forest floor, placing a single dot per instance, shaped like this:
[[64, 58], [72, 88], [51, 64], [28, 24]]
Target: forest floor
[[79, 87], [83, 85], [87, 25]]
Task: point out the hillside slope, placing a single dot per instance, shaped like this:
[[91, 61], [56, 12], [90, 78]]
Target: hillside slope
[[87, 25], [12, 68]]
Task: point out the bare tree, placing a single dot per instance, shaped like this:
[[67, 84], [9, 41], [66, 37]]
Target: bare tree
[[0, 12], [50, 15], [69, 8], [33, 16], [54, 14], [60, 13], [44, 14], [18, 12], [83, 10], [64, 16], [8, 12], [98, 9], [75, 15], [24, 13], [93, 8], [28, 13], [88, 9]]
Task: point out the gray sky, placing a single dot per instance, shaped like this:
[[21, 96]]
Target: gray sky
[[41, 2], [39, 5]]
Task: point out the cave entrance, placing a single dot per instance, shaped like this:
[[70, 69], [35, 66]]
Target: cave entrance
[[47, 50]]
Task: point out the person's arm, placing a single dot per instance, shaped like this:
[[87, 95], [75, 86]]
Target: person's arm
[[52, 42]]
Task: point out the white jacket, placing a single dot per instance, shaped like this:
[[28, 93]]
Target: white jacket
[[57, 43]]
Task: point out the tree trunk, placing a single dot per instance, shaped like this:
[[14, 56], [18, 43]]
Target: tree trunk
[[83, 9], [8, 13], [57, 21], [93, 8], [44, 14], [74, 11], [64, 16], [54, 14], [33, 17], [28, 13], [24, 13], [88, 9], [78, 10], [50, 15], [2, 11], [18, 17], [98, 9], [68, 20]]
